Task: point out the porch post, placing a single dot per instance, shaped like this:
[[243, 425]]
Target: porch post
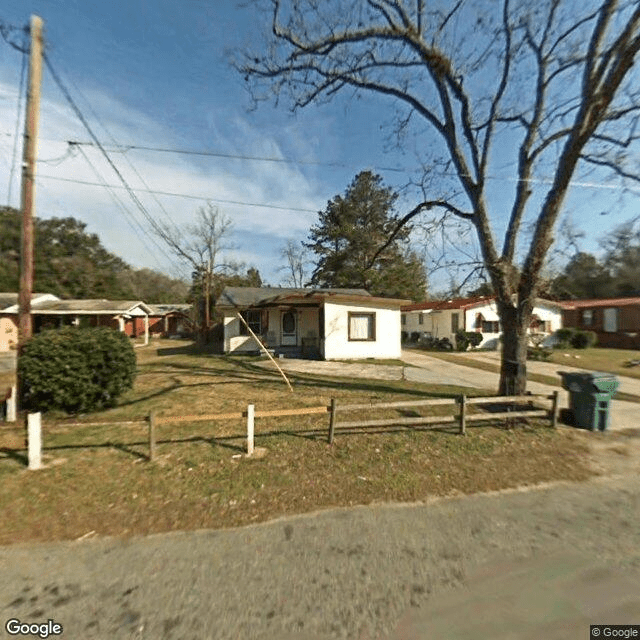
[[146, 329], [121, 323]]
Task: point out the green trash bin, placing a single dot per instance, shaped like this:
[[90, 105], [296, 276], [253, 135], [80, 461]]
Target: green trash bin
[[590, 398]]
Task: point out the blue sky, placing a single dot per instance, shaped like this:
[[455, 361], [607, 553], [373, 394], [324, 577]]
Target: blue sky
[[155, 73]]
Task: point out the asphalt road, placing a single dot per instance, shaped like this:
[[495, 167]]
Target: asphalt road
[[544, 563]]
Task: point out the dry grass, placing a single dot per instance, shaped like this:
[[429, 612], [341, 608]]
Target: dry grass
[[97, 479]]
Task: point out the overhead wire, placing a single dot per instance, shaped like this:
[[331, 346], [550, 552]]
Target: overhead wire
[[16, 137], [182, 195], [121, 205], [140, 206], [170, 220], [124, 148]]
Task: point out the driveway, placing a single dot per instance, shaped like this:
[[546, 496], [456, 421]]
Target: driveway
[[627, 384], [624, 415]]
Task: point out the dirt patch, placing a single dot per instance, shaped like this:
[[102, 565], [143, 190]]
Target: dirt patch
[[612, 453]]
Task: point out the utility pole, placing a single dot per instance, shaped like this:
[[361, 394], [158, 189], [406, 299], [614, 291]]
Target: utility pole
[[28, 182]]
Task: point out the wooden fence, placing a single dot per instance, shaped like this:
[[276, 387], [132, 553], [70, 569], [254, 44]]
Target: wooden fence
[[461, 418]]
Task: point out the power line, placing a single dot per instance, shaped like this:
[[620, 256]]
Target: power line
[[123, 148], [121, 205], [83, 120], [126, 157], [23, 69], [179, 195]]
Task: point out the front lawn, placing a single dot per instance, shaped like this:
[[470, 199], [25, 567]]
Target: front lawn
[[599, 359], [97, 479]]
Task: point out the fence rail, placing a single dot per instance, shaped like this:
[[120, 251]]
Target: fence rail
[[461, 418]]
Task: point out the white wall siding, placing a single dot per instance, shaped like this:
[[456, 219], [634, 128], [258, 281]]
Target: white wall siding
[[233, 341], [337, 344]]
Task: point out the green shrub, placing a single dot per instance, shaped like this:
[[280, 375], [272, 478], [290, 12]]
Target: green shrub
[[538, 353], [466, 338], [76, 369], [583, 339], [462, 342], [563, 337], [475, 338]]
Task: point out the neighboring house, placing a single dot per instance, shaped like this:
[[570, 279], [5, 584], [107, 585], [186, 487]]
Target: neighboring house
[[616, 321], [128, 316], [326, 323], [9, 322], [170, 320], [441, 319]]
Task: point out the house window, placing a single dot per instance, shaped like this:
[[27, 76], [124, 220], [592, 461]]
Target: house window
[[403, 317], [362, 327], [489, 326], [420, 318], [455, 322], [254, 320], [611, 320], [587, 317]]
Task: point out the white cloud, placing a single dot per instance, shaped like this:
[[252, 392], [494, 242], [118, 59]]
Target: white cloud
[[259, 231]]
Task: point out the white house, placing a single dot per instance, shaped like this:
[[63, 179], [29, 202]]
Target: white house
[[441, 319], [327, 323]]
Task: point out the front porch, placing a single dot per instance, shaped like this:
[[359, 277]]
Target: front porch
[[287, 331]]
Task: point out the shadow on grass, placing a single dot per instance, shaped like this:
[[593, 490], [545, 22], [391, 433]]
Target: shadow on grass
[[13, 454], [234, 443], [257, 375]]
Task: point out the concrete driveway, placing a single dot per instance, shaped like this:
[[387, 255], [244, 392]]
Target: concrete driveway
[[627, 384], [624, 415]]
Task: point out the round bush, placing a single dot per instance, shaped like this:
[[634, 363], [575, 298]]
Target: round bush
[[583, 339], [76, 369], [564, 336]]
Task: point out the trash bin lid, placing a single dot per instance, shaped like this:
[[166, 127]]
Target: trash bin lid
[[576, 381], [605, 382]]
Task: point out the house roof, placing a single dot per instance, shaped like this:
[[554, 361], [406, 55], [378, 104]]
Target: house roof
[[91, 307], [11, 299], [607, 302], [164, 309], [465, 303], [243, 297]]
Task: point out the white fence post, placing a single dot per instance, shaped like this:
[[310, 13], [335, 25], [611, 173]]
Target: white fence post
[[12, 405], [250, 421], [34, 437]]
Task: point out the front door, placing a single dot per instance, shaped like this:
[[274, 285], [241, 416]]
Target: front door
[[289, 329]]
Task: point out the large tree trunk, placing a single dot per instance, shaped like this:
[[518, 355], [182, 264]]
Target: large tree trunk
[[513, 369]]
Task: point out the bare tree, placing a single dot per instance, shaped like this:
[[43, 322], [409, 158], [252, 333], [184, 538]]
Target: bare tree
[[297, 259], [551, 83], [200, 246]]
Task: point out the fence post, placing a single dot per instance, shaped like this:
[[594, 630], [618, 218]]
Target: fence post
[[250, 428], [332, 419], [152, 436], [463, 414], [554, 409], [11, 405], [34, 438]]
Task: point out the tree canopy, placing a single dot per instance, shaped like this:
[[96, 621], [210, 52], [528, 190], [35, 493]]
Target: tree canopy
[[71, 263], [549, 84], [348, 235]]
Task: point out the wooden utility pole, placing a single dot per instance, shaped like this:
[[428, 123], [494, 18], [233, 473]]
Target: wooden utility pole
[[28, 181]]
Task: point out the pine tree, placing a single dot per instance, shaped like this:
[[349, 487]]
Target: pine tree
[[348, 235]]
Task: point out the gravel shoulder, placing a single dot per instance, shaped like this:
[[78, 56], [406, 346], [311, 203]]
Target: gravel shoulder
[[520, 563]]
